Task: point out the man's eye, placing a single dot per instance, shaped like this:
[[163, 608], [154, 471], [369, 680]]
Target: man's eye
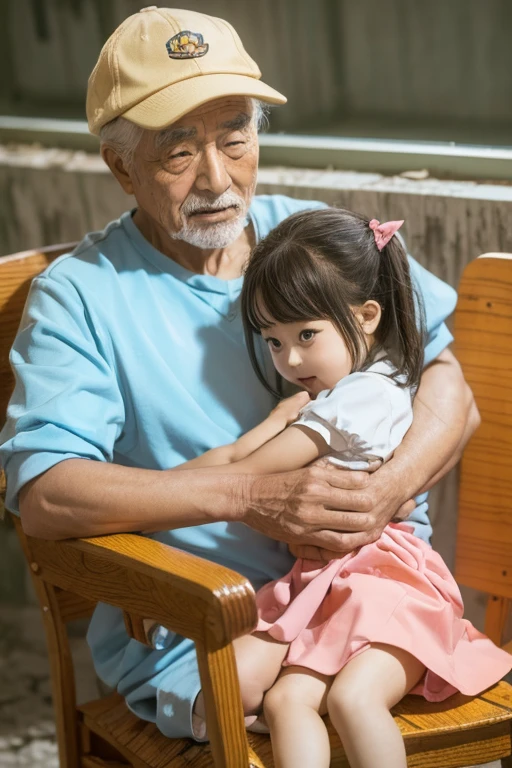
[[183, 153], [307, 335], [234, 143]]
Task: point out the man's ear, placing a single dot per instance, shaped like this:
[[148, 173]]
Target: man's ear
[[369, 315], [118, 168]]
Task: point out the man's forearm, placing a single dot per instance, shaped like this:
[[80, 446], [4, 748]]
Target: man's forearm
[[473, 421], [78, 497], [445, 417]]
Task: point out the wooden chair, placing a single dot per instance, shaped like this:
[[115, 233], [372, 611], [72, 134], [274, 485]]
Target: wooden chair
[[212, 604]]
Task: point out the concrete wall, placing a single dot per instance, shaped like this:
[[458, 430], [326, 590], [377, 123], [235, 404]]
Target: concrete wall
[[52, 196], [387, 65]]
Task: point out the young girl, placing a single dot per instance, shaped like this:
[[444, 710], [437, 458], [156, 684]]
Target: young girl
[[330, 292]]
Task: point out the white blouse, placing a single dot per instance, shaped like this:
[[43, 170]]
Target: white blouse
[[363, 418]]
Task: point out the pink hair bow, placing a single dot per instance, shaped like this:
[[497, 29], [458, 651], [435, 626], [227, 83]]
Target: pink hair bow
[[384, 232]]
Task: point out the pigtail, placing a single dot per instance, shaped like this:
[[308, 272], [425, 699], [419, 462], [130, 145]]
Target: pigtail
[[402, 327]]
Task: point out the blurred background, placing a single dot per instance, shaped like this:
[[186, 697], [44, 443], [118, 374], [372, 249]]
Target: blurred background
[[396, 108], [408, 69]]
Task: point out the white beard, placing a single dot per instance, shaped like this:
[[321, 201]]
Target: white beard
[[216, 235]]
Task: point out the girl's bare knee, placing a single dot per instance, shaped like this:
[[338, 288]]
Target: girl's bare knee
[[350, 698], [341, 704], [296, 687], [279, 697]]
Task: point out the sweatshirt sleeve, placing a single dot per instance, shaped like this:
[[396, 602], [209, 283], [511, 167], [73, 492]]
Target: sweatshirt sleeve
[[66, 402]]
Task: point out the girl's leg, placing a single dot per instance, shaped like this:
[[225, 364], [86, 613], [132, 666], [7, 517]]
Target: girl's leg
[[359, 702], [292, 710], [258, 659]]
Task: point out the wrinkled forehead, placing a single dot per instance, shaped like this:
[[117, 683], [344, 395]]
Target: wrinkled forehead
[[215, 114], [231, 113]]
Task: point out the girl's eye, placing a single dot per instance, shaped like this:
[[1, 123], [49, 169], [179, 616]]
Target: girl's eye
[[275, 343], [307, 335]]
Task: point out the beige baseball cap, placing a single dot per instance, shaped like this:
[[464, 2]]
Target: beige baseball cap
[[161, 63]]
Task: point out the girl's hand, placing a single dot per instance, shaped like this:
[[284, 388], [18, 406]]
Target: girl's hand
[[287, 411], [310, 552]]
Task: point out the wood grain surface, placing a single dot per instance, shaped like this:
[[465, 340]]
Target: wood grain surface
[[483, 334]]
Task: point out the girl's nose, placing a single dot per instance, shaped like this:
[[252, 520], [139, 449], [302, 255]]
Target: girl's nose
[[294, 358]]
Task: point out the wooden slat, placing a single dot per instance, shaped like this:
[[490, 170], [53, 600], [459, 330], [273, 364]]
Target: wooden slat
[[496, 618], [97, 762], [456, 713], [483, 345], [501, 694], [223, 705], [460, 731], [138, 741], [443, 753], [73, 607], [62, 676], [135, 628]]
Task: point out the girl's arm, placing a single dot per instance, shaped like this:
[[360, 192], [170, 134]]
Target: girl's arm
[[285, 412], [292, 449]]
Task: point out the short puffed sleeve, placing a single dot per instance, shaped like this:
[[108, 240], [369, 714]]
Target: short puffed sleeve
[[364, 418]]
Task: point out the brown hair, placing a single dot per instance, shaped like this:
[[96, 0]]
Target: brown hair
[[316, 265]]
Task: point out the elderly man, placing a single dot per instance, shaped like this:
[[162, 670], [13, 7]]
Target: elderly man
[[131, 360]]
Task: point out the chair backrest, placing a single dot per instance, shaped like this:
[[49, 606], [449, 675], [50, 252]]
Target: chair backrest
[[483, 341], [16, 274]]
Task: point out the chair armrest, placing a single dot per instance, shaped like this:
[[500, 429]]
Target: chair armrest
[[198, 599], [189, 595]]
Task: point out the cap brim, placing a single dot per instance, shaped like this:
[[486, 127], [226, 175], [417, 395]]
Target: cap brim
[[170, 104]]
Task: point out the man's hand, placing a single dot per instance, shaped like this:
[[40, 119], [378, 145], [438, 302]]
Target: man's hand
[[325, 510], [310, 552]]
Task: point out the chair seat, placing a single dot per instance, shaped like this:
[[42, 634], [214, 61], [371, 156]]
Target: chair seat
[[434, 734]]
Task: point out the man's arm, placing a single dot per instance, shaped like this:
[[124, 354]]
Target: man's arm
[[445, 417], [80, 497], [321, 506]]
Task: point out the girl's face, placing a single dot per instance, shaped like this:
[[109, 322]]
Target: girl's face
[[310, 353]]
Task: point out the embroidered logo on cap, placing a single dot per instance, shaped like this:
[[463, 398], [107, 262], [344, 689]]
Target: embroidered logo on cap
[[186, 45]]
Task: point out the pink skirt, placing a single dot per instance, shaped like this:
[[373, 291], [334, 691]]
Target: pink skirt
[[396, 591]]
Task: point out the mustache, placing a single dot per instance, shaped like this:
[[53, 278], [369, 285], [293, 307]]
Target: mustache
[[195, 203]]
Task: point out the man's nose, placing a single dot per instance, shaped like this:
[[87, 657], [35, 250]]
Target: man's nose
[[294, 358], [211, 173]]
